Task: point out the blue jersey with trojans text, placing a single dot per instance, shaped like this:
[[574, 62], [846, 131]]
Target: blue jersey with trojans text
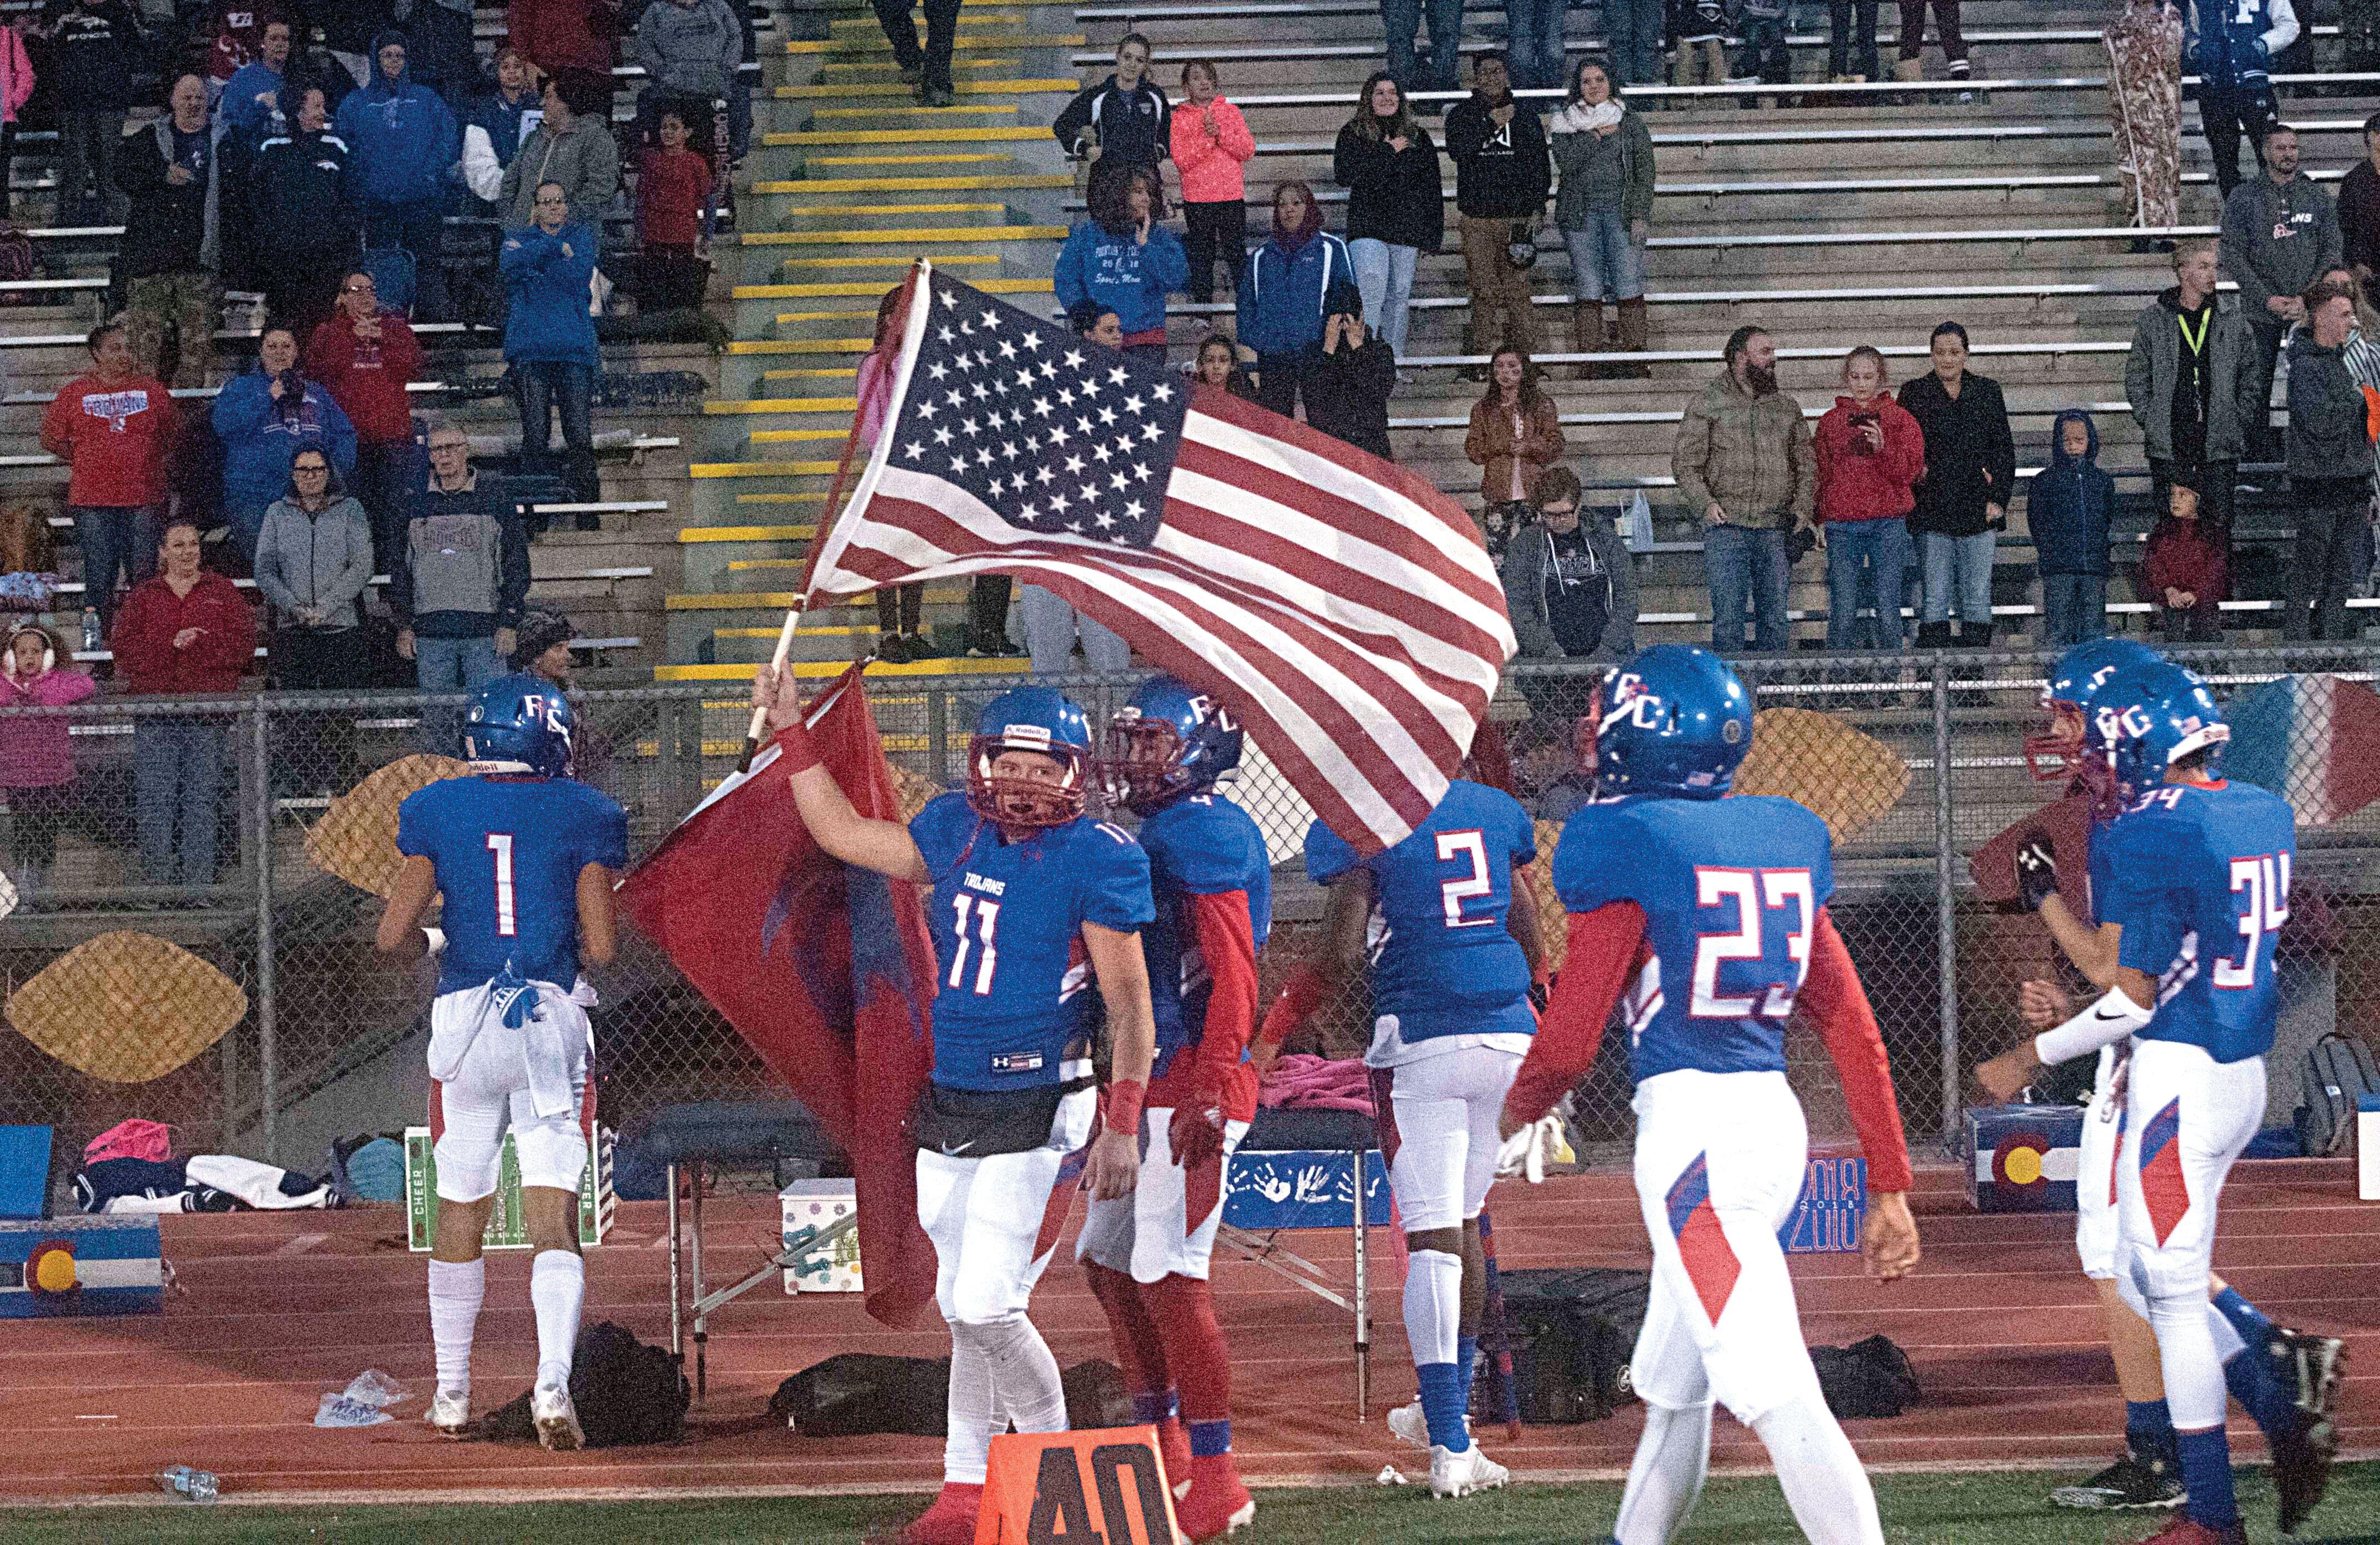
[[1007, 924], [2200, 881], [508, 852], [1443, 962], [1730, 890], [1200, 845]]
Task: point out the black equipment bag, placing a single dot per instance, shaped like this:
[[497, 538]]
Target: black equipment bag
[[1869, 1377], [1573, 1330], [2339, 1073]]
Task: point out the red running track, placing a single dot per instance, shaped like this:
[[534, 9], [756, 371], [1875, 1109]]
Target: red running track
[[273, 1309]]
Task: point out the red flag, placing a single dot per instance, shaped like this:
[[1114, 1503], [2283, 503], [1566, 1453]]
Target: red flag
[[825, 969]]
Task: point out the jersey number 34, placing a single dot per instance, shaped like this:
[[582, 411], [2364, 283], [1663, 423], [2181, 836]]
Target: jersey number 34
[[1765, 903]]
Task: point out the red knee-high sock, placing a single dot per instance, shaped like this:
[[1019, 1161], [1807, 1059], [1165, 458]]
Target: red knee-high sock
[[1140, 1347], [1202, 1366]]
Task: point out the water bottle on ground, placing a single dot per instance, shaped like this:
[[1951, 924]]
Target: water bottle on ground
[[190, 1485]]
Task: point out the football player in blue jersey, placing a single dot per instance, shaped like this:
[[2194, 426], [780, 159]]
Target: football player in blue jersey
[[1146, 1255], [1032, 901], [1710, 913], [2197, 872], [524, 854], [1454, 949]]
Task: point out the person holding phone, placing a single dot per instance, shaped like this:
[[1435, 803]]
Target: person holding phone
[[1871, 452]]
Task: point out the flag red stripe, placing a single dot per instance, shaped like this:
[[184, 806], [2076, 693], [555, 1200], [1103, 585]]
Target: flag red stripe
[[1248, 417]]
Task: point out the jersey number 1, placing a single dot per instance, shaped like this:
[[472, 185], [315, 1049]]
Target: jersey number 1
[[500, 844], [1757, 895]]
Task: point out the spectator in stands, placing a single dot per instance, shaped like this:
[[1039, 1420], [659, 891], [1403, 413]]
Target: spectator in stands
[[2068, 509], [1744, 455], [2359, 207], [2237, 40], [252, 100], [1123, 122], [367, 357], [458, 596], [550, 338], [1698, 30], [1605, 211], [2359, 40], [2191, 381], [1568, 582], [1633, 31], [262, 416], [573, 148], [1349, 374], [927, 68], [1211, 147], [2331, 466], [492, 127], [1763, 22], [1502, 176], [1403, 18], [1909, 66], [309, 229], [1514, 434], [231, 34], [899, 609], [541, 645], [186, 631], [113, 427], [1962, 500], [693, 48], [673, 196], [95, 49], [1850, 54], [1052, 624], [2144, 111], [36, 765], [1282, 293], [1534, 42], [1870, 455], [445, 58], [16, 89], [313, 559], [559, 36], [1396, 203], [2187, 574], [171, 246], [1120, 259], [2280, 232], [1218, 365], [404, 139]]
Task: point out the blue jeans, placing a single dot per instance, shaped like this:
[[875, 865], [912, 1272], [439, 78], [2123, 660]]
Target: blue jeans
[[1764, 49], [1049, 624], [420, 229], [545, 387], [1384, 276], [177, 772], [1403, 18], [2077, 606], [1957, 570], [1742, 564], [1634, 29], [1536, 41], [451, 665], [1866, 558], [1604, 259], [116, 540]]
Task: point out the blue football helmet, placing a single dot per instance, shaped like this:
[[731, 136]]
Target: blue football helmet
[[2148, 717], [520, 723], [1673, 721], [1036, 718], [1169, 739], [2057, 752]]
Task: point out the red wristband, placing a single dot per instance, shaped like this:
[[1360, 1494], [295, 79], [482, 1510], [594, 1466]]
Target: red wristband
[[795, 745], [1125, 1097]]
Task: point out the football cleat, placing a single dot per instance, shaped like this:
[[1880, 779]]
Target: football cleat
[[450, 1412], [2312, 1365], [951, 1521], [1407, 1424], [2182, 1529], [2132, 1483], [557, 1420], [1215, 1509], [2301, 1457], [1459, 1475]]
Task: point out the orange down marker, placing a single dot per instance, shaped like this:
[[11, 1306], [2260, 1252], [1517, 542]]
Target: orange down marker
[[1102, 1488]]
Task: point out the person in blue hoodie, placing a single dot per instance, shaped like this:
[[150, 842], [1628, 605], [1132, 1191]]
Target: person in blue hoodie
[[262, 417], [2073, 501], [1282, 294], [550, 336], [403, 140], [1122, 261]]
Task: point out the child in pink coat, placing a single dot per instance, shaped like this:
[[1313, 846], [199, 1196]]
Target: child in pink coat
[[16, 87], [1211, 147], [36, 758]]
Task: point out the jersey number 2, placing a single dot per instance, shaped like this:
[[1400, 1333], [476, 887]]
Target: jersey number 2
[[1756, 893], [500, 844], [2263, 883], [987, 922], [1471, 846]]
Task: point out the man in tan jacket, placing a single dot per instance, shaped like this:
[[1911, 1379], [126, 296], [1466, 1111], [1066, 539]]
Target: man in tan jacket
[[1743, 458]]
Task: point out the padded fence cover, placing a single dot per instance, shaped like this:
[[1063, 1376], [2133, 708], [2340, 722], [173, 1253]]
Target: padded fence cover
[[1849, 778], [127, 1008], [355, 839]]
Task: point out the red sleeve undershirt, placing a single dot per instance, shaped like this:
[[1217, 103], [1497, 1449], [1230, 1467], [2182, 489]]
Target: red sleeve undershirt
[[1604, 949], [1839, 1009], [1226, 940]]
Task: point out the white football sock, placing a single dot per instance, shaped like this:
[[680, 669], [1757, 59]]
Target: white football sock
[[2194, 1391], [1433, 1305], [456, 1289], [967, 1444], [1666, 1476], [1025, 1374], [557, 1285], [2227, 1344], [1824, 1484]]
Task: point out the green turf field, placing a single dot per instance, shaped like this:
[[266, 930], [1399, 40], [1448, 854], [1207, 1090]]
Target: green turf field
[[1918, 1510]]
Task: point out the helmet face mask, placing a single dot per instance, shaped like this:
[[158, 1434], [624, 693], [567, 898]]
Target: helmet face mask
[[1169, 741], [2064, 748], [1030, 764]]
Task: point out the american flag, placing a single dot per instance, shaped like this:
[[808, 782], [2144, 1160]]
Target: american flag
[[1341, 606]]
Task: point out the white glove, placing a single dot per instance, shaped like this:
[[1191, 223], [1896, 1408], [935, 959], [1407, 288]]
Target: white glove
[[1528, 1151], [437, 937]]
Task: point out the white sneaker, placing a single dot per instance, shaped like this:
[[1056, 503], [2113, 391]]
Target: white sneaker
[[557, 1422], [449, 1412], [1459, 1475], [1407, 1424]]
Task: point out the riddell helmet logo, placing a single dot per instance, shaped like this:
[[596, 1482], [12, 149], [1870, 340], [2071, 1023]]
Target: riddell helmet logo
[[1027, 735]]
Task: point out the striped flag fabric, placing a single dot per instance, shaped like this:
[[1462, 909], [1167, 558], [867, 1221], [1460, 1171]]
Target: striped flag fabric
[[1342, 607]]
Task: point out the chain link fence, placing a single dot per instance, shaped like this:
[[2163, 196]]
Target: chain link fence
[[192, 941]]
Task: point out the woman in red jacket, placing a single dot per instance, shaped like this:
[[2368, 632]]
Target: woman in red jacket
[[366, 358], [184, 632], [556, 35], [1871, 454]]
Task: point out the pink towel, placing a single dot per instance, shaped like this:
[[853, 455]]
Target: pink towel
[[1303, 1082]]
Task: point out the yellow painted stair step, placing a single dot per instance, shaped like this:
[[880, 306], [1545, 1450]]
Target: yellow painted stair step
[[993, 158], [1004, 108], [895, 90], [746, 533], [822, 670], [1001, 134], [969, 183], [794, 436], [704, 469], [801, 346], [879, 211], [942, 260], [825, 292], [730, 408], [905, 234]]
